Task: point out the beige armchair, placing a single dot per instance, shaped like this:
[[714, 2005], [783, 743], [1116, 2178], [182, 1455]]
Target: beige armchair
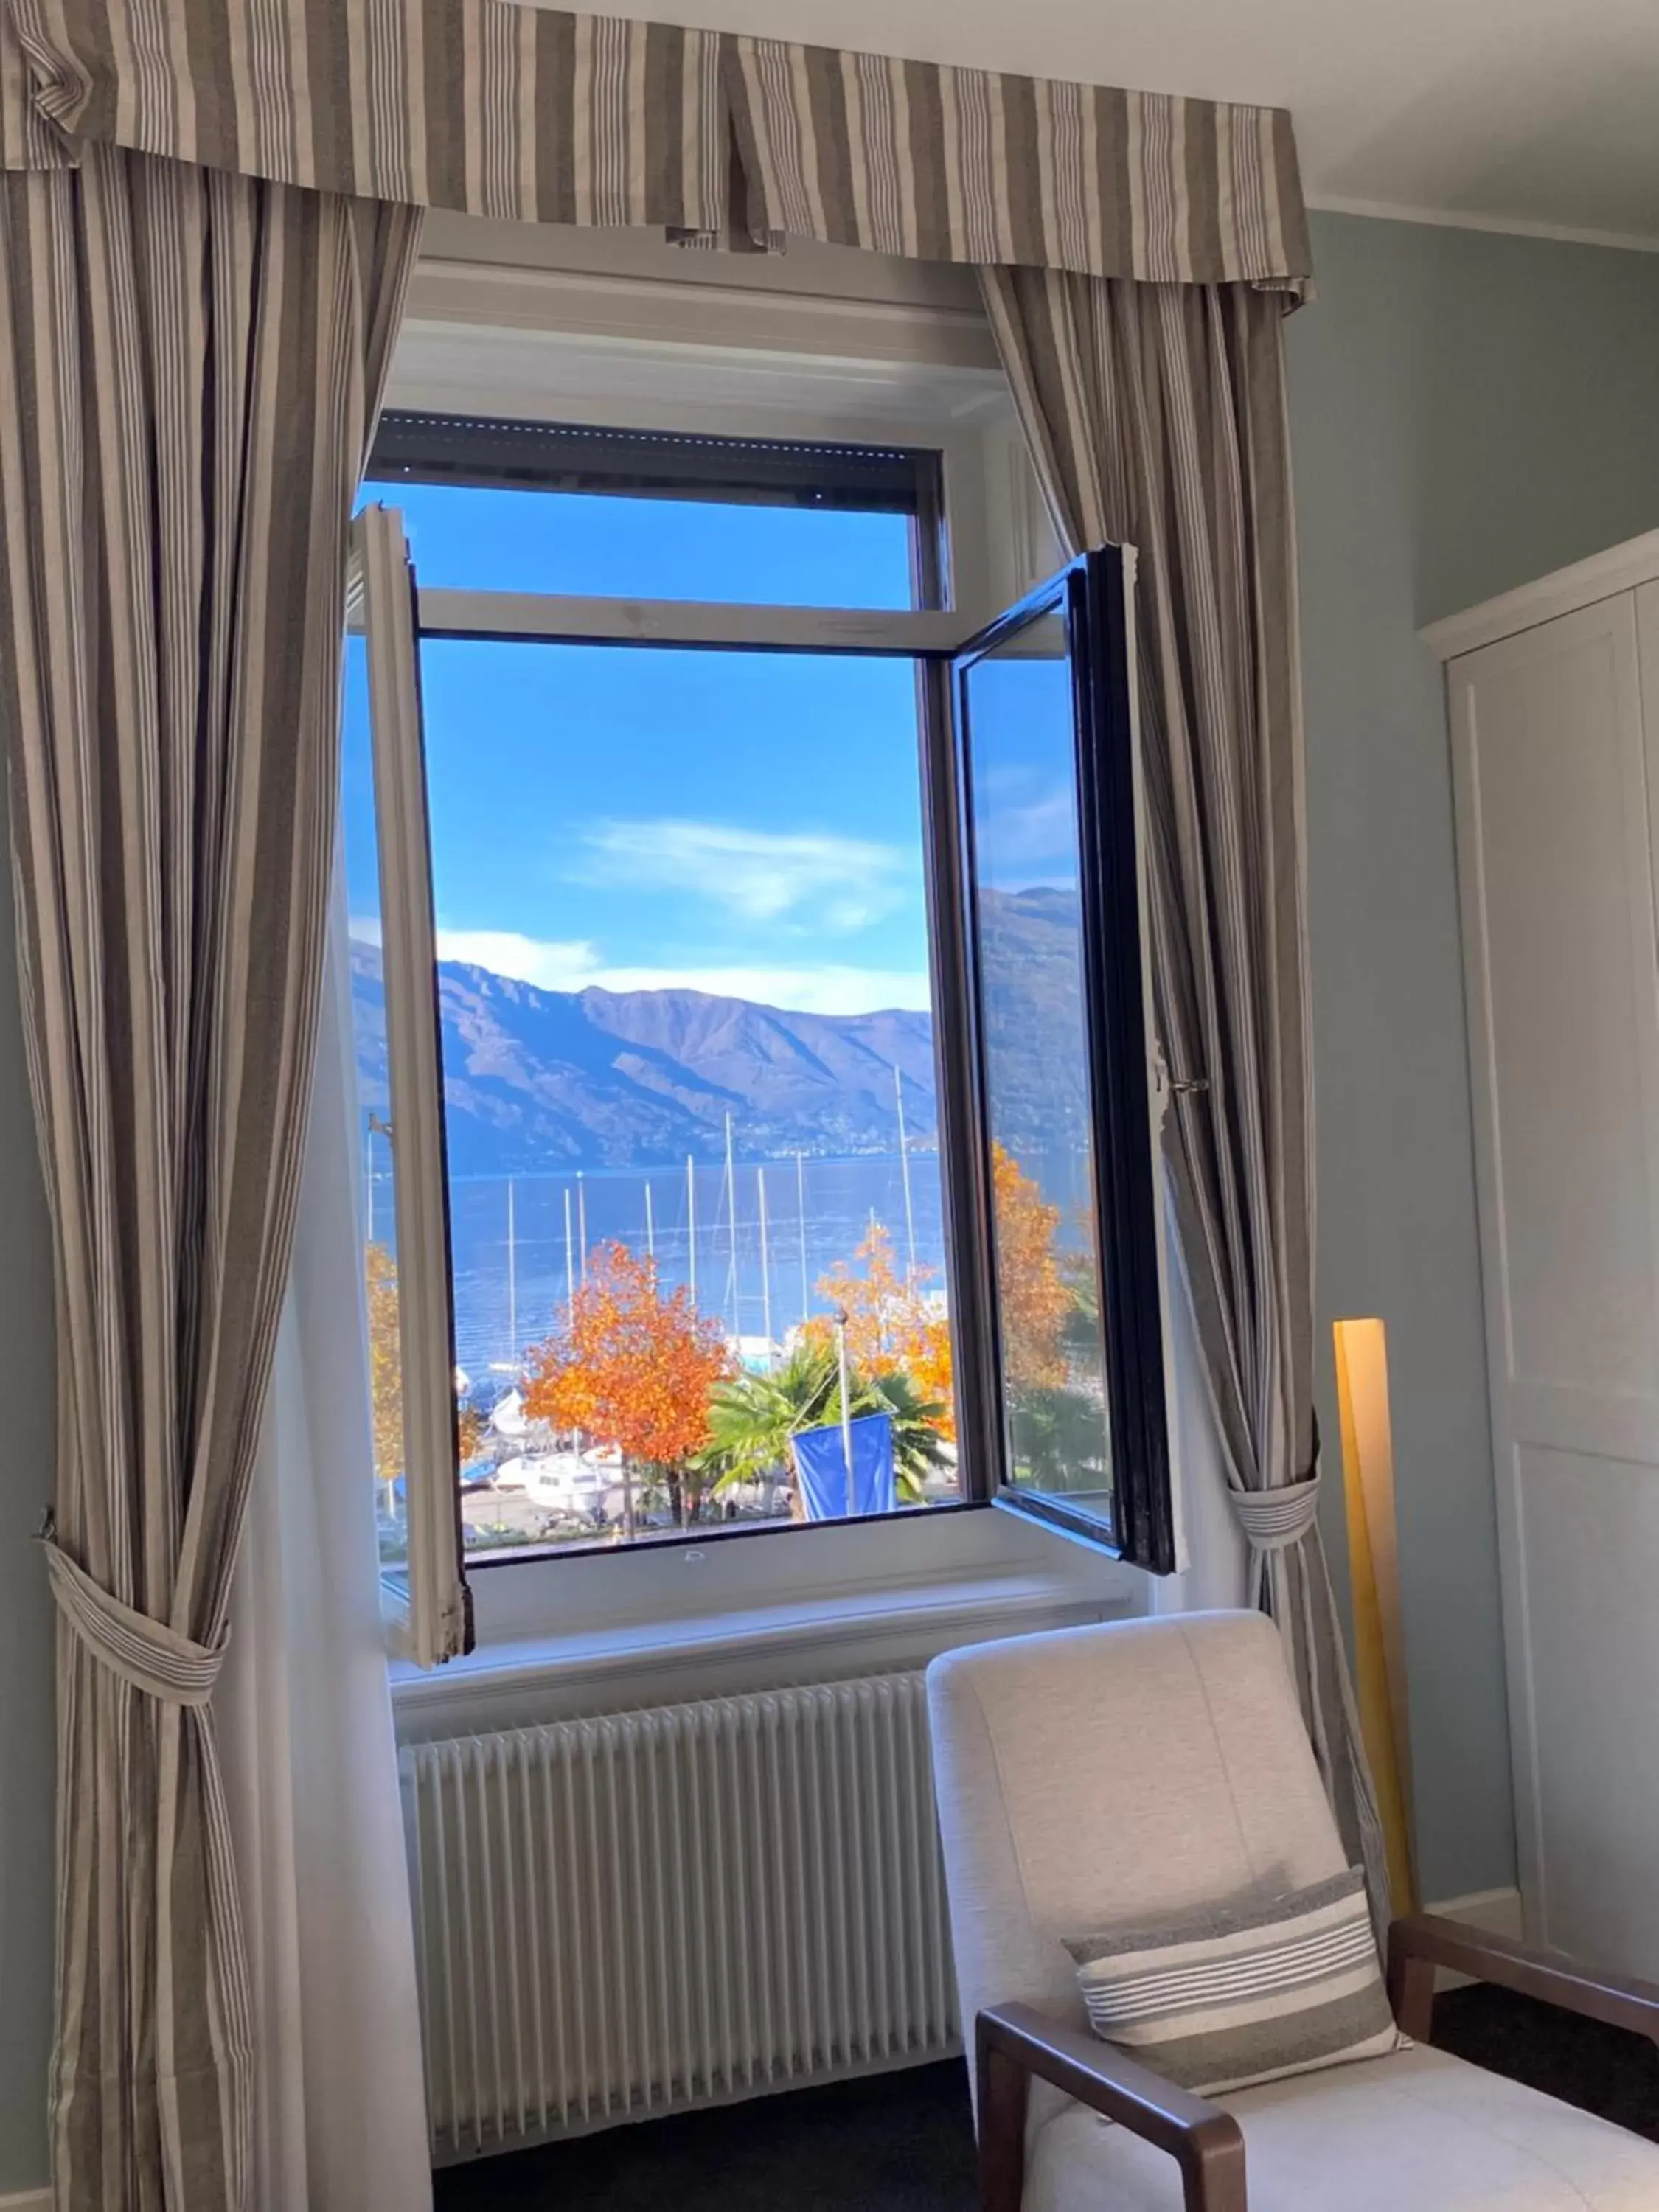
[[1121, 1776]]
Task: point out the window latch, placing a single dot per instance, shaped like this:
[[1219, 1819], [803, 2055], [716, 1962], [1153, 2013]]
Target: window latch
[[1166, 1086]]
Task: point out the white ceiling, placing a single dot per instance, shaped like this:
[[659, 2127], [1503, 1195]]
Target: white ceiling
[[1520, 113]]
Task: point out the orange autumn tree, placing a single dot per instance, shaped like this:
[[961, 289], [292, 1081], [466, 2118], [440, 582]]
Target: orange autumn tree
[[927, 1361], [632, 1365], [1033, 1300], [385, 1363], [890, 1323], [386, 1375], [472, 1432]]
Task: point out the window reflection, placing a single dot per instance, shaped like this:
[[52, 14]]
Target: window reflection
[[376, 1171], [1034, 1044]]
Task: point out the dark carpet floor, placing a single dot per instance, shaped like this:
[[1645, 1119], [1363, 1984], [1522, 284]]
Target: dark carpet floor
[[1606, 2070], [902, 2142]]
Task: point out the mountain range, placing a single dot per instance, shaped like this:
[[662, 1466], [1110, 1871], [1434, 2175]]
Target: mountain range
[[536, 1079], [545, 1080]]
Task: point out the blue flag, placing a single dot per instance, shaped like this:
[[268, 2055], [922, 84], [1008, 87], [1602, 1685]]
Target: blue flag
[[821, 1466]]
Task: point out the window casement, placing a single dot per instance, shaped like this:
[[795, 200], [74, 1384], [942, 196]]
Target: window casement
[[412, 1343], [1036, 1168]]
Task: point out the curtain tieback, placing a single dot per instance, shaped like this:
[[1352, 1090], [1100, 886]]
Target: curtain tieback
[[1274, 1519], [147, 1653]]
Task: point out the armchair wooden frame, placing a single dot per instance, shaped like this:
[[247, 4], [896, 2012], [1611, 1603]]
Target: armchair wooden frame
[[1016, 2044], [1418, 1945]]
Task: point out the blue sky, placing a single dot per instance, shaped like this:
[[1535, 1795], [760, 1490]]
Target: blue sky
[[739, 823], [1025, 772]]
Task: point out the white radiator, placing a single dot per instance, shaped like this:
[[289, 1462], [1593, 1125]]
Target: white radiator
[[651, 1911]]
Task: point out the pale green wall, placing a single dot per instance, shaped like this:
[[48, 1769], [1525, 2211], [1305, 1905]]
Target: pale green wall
[[1468, 411]]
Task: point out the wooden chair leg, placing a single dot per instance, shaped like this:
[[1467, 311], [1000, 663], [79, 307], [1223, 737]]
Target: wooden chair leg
[[1214, 2181], [1012, 2042], [1004, 2090], [1411, 1991]]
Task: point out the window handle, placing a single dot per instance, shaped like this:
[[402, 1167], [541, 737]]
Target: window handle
[[1166, 1086]]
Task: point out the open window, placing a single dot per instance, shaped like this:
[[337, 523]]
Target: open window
[[1060, 1065], [870, 1177], [404, 1182]]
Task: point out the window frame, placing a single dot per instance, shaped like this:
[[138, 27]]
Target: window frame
[[935, 637], [429, 1601], [1094, 594]]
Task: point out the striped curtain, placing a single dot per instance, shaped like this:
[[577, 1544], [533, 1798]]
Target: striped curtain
[[502, 107], [1156, 416], [192, 363], [944, 164], [486, 106]]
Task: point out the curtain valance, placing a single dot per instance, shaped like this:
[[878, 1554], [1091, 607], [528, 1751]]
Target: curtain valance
[[497, 108], [528, 113], [944, 164]]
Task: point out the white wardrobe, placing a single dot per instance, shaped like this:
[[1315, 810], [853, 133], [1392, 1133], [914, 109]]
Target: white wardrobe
[[1554, 704]]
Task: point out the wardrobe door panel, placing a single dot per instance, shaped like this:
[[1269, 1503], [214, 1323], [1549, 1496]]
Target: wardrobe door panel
[[1555, 783]]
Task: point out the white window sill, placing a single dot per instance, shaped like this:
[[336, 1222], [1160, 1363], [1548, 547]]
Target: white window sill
[[736, 1629]]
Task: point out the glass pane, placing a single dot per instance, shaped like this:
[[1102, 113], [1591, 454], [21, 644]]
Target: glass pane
[[689, 1088], [1027, 923], [489, 539], [376, 1169]]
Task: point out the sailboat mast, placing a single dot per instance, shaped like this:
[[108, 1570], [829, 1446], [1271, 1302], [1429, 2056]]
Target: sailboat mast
[[904, 1176], [844, 1381], [569, 1254], [650, 1227], [766, 1266], [732, 1230], [691, 1225], [512, 1278], [800, 1210], [581, 1226]]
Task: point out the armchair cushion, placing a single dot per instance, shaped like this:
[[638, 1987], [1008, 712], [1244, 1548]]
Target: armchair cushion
[[1243, 1993], [1116, 1777], [1420, 2131]]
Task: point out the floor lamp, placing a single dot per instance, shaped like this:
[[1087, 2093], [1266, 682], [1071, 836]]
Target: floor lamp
[[1362, 1391]]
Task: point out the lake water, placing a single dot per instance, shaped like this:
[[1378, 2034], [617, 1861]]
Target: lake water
[[507, 1292]]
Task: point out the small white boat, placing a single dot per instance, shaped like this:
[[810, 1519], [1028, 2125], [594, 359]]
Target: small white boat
[[508, 1417], [558, 1478], [759, 1354]]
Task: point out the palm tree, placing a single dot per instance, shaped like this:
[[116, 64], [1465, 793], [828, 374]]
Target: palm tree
[[753, 1418], [1059, 1440], [918, 1448]]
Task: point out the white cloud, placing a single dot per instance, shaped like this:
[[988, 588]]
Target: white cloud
[[554, 964], [839, 883], [1043, 830], [829, 990], [550, 964]]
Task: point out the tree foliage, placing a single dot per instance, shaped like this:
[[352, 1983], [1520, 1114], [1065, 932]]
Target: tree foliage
[[386, 1373], [891, 1326], [386, 1361], [472, 1432], [631, 1365], [752, 1418], [1035, 1304]]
